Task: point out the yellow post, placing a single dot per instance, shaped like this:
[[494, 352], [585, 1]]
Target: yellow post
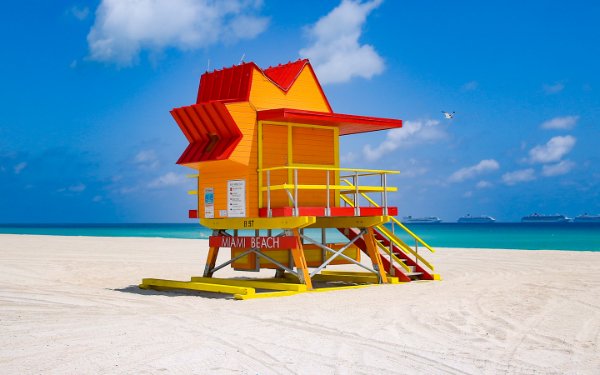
[[374, 254], [300, 261]]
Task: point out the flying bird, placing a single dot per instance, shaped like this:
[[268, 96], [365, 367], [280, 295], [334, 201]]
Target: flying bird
[[448, 115]]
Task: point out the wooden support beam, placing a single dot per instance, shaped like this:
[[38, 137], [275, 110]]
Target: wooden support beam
[[211, 260], [374, 254], [300, 261]]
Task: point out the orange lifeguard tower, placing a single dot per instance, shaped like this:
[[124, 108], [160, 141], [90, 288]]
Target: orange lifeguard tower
[[265, 144]]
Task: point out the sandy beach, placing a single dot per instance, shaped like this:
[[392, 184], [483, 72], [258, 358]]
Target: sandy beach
[[71, 305]]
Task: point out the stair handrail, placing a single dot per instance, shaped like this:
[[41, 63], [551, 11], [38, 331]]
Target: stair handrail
[[396, 221], [394, 257], [396, 241]]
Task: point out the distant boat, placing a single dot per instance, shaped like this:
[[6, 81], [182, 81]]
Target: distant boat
[[586, 218], [468, 219], [537, 218], [421, 220]]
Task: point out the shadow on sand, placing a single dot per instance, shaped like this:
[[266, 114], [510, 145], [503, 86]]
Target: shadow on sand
[[134, 289]]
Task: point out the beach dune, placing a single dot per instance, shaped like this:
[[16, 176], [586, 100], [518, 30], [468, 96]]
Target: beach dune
[[71, 305]]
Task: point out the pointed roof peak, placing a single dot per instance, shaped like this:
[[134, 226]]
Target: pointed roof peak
[[284, 75]]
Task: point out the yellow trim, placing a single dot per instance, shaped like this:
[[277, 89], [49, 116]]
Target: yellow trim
[[396, 221], [244, 297], [255, 283], [259, 222], [370, 189], [334, 288], [260, 162], [367, 278], [374, 171], [349, 221], [336, 174], [290, 152], [394, 257], [404, 246], [192, 192], [203, 287], [192, 175], [285, 123]]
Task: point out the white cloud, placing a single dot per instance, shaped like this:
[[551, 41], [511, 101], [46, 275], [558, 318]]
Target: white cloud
[[553, 150], [146, 159], [566, 123], [336, 52], [470, 86], [522, 175], [80, 13], [411, 133], [483, 184], [78, 188], [348, 157], [123, 28], [169, 179], [128, 189], [19, 167], [558, 169], [483, 166], [554, 89]]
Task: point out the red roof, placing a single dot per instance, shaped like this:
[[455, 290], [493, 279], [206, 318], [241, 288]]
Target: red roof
[[285, 75], [210, 129], [229, 84], [348, 124], [233, 84]]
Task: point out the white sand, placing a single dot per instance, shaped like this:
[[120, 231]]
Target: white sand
[[69, 305]]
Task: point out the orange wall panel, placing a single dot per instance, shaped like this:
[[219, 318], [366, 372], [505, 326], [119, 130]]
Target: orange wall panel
[[312, 145], [304, 93]]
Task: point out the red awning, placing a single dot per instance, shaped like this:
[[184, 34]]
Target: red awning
[[348, 124], [210, 129]]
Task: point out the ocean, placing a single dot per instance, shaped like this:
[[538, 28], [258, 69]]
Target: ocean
[[563, 236]]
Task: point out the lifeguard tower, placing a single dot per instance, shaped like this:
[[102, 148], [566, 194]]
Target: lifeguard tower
[[265, 145]]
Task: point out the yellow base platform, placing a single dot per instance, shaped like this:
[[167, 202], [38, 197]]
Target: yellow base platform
[[243, 289]]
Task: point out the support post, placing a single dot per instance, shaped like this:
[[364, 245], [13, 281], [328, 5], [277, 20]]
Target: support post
[[374, 254], [300, 261], [211, 260]]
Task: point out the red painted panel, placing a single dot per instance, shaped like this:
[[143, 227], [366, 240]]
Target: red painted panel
[[233, 84], [348, 124], [210, 129], [320, 211], [193, 214], [260, 242], [284, 75], [227, 84]]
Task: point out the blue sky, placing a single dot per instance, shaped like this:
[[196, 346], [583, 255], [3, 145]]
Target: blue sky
[[86, 135]]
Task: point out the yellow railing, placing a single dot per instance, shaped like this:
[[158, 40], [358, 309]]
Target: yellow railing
[[394, 220], [292, 187], [398, 242]]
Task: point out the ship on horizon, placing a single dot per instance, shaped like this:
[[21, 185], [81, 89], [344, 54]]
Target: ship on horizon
[[421, 220], [538, 218], [587, 218], [482, 219]]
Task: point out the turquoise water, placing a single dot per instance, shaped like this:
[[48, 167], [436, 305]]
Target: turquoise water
[[565, 236]]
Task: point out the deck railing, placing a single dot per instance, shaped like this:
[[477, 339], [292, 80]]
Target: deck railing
[[331, 184]]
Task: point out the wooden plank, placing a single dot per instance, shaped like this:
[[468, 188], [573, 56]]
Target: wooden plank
[[203, 287], [259, 222], [257, 284]]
